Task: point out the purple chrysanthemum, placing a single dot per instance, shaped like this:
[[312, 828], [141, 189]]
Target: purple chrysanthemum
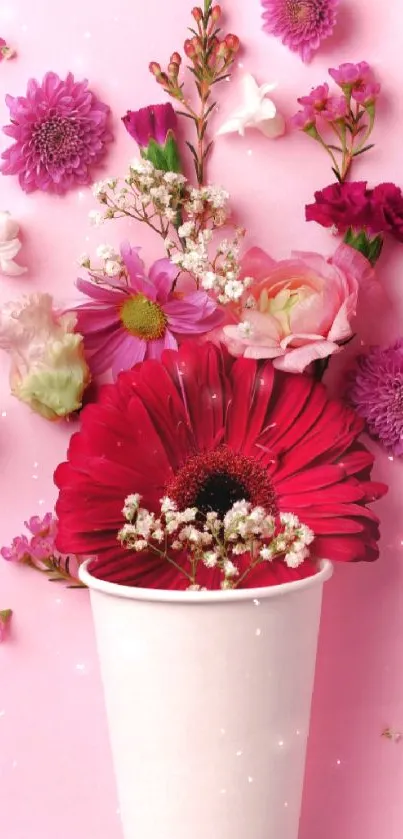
[[301, 24], [376, 392], [59, 130]]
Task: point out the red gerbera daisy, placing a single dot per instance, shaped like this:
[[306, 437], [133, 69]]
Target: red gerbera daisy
[[208, 430]]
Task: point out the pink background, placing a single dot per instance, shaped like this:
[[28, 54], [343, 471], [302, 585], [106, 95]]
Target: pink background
[[55, 769]]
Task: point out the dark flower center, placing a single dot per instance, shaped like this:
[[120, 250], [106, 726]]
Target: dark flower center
[[56, 139], [215, 480], [143, 318]]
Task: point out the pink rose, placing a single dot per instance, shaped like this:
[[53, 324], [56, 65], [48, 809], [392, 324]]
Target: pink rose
[[300, 309]]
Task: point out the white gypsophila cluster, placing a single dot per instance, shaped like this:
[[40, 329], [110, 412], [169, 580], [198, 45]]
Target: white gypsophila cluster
[[112, 265], [213, 541], [186, 217]]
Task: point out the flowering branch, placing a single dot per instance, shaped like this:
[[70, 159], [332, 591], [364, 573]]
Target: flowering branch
[[213, 542], [39, 551], [211, 60], [351, 117]]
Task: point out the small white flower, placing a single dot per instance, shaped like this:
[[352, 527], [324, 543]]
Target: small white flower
[[195, 587], [245, 329], [174, 178], [96, 218], [169, 244], [131, 505], [257, 111], [112, 268], [266, 553], [233, 289], [226, 584], [281, 544], [84, 260], [210, 559], [289, 519], [209, 280], [106, 252], [230, 569], [159, 534], [170, 214], [172, 525], [140, 545], [239, 549], [176, 545], [167, 505], [189, 514], [306, 534], [186, 229], [141, 167], [99, 188], [295, 558]]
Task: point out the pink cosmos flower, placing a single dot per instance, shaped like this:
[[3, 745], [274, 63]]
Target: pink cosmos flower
[[59, 130], [301, 309], [122, 326], [151, 123], [301, 24], [318, 103]]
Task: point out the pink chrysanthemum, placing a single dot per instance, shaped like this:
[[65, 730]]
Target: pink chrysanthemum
[[301, 24], [376, 392], [123, 325], [59, 130]]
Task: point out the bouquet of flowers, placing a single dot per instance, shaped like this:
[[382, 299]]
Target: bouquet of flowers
[[214, 457]]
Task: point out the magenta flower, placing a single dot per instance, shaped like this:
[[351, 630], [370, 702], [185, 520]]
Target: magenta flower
[[5, 619], [336, 109], [37, 550], [342, 206], [301, 24], [348, 75], [123, 326], [151, 123], [19, 550], [59, 130], [317, 98], [304, 119], [376, 392], [358, 81]]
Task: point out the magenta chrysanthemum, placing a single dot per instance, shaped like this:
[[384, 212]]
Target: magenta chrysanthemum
[[376, 392], [301, 24], [59, 130]]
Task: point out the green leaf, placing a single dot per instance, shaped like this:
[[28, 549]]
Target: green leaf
[[370, 248], [336, 174], [172, 158], [192, 149], [361, 151]]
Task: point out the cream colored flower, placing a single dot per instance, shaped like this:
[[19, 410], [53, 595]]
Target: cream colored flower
[[10, 246], [48, 368], [256, 111]]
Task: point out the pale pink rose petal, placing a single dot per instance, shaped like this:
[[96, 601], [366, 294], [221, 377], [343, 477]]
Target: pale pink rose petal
[[315, 313], [352, 263], [298, 359], [257, 263], [341, 328]]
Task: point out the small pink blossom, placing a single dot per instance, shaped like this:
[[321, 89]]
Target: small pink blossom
[[5, 619], [19, 550], [366, 94], [317, 98], [358, 81], [349, 75], [336, 109], [304, 119], [303, 307]]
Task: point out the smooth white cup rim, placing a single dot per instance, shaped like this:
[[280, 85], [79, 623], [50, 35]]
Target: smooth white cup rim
[[218, 596]]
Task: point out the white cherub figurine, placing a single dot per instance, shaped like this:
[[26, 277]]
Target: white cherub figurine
[[10, 246], [257, 111]]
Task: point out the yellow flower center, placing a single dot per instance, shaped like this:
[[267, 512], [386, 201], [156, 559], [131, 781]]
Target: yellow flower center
[[143, 318]]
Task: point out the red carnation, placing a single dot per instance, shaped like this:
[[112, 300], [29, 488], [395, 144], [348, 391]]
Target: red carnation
[[341, 205], [387, 210], [207, 430]]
